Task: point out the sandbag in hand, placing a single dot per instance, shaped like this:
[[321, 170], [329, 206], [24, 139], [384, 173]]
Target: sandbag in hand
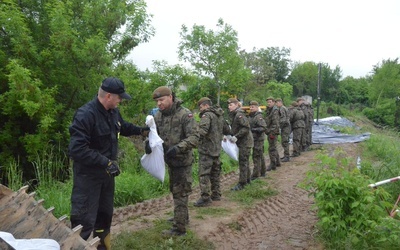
[[113, 169]]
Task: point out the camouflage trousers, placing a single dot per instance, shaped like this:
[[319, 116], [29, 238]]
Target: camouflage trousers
[[209, 176], [273, 151], [309, 134], [297, 135], [180, 185], [303, 140], [244, 169], [263, 169], [258, 158], [285, 133]]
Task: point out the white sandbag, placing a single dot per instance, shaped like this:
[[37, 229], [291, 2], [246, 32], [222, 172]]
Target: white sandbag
[[154, 162], [230, 148], [29, 244]]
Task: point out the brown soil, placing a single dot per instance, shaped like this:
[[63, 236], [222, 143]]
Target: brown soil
[[284, 221]]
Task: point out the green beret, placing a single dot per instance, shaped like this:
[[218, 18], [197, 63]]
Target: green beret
[[294, 104], [232, 100], [278, 100], [161, 91], [254, 103], [270, 98], [300, 99], [203, 99]]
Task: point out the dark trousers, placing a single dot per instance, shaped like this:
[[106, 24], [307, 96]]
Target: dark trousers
[[92, 202]]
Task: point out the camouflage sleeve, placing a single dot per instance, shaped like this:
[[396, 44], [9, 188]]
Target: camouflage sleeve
[[226, 128], [244, 125], [261, 125], [190, 137], [204, 124], [275, 122]]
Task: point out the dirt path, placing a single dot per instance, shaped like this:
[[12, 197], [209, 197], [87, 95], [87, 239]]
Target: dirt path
[[283, 221]]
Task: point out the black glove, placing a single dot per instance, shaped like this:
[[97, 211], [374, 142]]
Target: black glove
[[171, 153], [113, 169], [144, 131], [147, 147]]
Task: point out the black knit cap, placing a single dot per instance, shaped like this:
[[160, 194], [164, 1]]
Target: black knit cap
[[115, 86]]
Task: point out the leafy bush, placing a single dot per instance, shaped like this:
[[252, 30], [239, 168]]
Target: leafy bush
[[351, 215]]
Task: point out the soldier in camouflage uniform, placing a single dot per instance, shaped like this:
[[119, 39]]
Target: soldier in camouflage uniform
[[301, 104], [310, 123], [240, 129], [212, 127], [258, 126], [272, 131], [284, 124], [177, 127], [297, 124]]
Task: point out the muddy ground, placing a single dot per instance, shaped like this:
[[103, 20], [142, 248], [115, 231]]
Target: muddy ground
[[283, 221]]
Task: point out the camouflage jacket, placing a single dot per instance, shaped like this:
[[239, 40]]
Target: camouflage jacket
[[272, 121], [304, 108], [240, 128], [257, 125], [177, 126], [284, 117], [212, 127], [296, 117]]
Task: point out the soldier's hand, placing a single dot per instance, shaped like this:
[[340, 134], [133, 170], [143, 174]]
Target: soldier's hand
[[147, 147], [113, 169], [233, 139], [145, 131], [171, 152]]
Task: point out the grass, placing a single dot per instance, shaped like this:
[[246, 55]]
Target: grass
[[152, 239], [257, 190]]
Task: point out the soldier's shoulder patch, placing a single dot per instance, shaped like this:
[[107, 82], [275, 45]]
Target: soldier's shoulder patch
[[260, 118], [240, 116], [190, 115], [204, 116]]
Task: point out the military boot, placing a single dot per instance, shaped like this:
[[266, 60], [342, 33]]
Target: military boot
[[202, 202], [271, 166], [238, 187], [285, 159]]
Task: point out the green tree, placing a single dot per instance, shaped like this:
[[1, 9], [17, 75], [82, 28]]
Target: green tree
[[215, 54], [304, 78], [353, 90], [53, 56], [385, 81]]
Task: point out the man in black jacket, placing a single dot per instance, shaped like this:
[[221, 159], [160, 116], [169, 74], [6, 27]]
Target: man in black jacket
[[93, 147]]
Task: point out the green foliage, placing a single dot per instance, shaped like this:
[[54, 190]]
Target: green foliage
[[385, 82], [383, 113], [215, 54], [53, 57], [350, 213], [304, 78]]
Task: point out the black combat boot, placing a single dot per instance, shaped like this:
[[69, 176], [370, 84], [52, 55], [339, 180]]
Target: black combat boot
[[285, 159], [202, 202], [271, 166]]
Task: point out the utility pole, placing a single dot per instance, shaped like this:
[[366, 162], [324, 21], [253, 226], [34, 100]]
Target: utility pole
[[318, 90]]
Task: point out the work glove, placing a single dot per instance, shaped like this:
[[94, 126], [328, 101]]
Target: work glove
[[145, 131], [171, 152], [272, 136], [147, 147], [113, 169], [233, 139]]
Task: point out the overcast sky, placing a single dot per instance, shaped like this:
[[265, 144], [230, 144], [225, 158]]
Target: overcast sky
[[351, 34]]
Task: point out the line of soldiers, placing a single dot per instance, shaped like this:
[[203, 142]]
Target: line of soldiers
[[181, 134]]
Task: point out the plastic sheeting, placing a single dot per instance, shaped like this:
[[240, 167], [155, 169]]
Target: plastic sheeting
[[324, 133], [29, 244]]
